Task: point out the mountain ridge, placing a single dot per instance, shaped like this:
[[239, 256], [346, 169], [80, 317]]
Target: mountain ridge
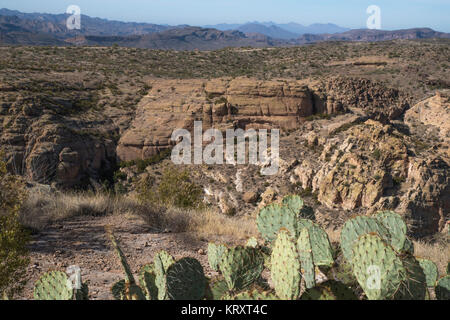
[[18, 28]]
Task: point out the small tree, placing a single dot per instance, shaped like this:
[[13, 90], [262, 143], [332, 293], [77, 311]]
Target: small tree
[[13, 238]]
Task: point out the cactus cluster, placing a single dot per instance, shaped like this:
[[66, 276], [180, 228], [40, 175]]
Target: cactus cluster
[[299, 256]]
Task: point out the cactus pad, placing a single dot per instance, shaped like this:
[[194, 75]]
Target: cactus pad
[[186, 280], [255, 295], [329, 290], [430, 270], [162, 261], [293, 202], [320, 243], [215, 252], [147, 280], [376, 267], [306, 258], [443, 288], [274, 217], [396, 227], [241, 266], [53, 285], [356, 227], [216, 289], [285, 270]]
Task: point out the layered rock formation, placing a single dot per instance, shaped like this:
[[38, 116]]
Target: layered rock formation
[[247, 103], [221, 103]]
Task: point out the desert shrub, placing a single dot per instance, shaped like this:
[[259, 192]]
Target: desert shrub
[[174, 189], [13, 237]]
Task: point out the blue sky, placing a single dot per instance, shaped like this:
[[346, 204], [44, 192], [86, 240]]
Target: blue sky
[[395, 14]]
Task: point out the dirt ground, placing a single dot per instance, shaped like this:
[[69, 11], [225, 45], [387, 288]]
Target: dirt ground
[[82, 241]]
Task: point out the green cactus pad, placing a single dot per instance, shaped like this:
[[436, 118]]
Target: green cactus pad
[[162, 261], [306, 258], [216, 289], [376, 267], [83, 293], [356, 227], [448, 268], [215, 252], [329, 290], [53, 285], [396, 227], [408, 247], [430, 270], [443, 288], [293, 202], [320, 243], [186, 280], [241, 266], [255, 295], [147, 280], [285, 271], [274, 217], [118, 290], [414, 284]]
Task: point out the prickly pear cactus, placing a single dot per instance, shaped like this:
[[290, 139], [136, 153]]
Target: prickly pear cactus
[[408, 247], [274, 217], [377, 268], [293, 202], [320, 243], [255, 295], [430, 270], [121, 290], [186, 280], [396, 226], [356, 227], [147, 281], [414, 284], [306, 258], [215, 252], [241, 266], [53, 285], [118, 290], [82, 293], [216, 289], [329, 290], [162, 261], [285, 272], [443, 288]]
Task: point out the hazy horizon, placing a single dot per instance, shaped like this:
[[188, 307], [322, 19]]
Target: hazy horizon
[[401, 14]]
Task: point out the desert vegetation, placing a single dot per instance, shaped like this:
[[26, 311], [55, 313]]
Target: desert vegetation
[[299, 256]]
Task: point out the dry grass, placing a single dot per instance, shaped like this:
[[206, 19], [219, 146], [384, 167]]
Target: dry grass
[[200, 223], [42, 208], [438, 252]]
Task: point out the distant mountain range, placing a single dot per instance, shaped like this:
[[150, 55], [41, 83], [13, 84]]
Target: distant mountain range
[[17, 28], [282, 31]]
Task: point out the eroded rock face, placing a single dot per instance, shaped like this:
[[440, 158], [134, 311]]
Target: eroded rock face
[[222, 103], [248, 103], [427, 200], [48, 147], [356, 172]]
